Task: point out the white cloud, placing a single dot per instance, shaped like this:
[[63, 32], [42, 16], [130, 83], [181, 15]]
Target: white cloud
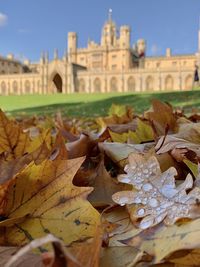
[[155, 49], [3, 19]]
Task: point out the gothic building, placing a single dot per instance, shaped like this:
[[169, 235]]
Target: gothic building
[[112, 65]]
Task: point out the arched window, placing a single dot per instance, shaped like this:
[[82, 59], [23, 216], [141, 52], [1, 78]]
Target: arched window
[[131, 84], [80, 85], [113, 85], [3, 88], [169, 83], [27, 86], [15, 87], [149, 83], [188, 82], [97, 85]]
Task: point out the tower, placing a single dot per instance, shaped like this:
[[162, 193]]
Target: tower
[[72, 46], [125, 36], [109, 34]]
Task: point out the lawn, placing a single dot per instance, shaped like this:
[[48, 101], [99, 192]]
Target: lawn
[[93, 104]]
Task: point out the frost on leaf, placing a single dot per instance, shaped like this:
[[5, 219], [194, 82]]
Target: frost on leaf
[[157, 196]]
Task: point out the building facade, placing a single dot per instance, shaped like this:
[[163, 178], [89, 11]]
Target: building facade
[[112, 65]]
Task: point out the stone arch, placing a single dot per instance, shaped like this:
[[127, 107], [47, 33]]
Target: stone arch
[[131, 84], [57, 80], [149, 83], [3, 88], [97, 85], [188, 82], [169, 83], [113, 84], [27, 87], [80, 85], [15, 87]]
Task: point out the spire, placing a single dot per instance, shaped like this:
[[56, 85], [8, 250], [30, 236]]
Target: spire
[[42, 57], [56, 54], [110, 15], [46, 57]]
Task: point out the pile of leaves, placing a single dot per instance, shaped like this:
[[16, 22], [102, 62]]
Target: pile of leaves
[[115, 191]]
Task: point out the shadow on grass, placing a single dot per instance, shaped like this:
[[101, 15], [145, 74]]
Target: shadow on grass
[[140, 103]]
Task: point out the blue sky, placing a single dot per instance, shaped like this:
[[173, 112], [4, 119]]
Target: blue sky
[[29, 26]]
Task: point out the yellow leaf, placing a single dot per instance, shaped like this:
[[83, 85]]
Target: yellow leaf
[[118, 137], [162, 241], [118, 110], [192, 166], [144, 133], [46, 195], [13, 140]]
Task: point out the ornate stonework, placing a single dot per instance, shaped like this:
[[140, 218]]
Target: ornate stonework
[[111, 66]]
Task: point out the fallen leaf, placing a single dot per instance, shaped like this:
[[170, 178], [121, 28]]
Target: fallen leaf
[[104, 187], [45, 194], [13, 141], [157, 195], [162, 117]]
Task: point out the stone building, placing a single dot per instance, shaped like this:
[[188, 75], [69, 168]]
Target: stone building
[[112, 65]]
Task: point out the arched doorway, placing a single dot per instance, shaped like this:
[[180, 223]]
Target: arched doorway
[[57, 80]]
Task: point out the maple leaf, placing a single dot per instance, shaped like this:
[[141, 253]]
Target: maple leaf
[[156, 193], [45, 196]]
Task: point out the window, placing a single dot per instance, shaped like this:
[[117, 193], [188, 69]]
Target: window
[[114, 67], [114, 56]]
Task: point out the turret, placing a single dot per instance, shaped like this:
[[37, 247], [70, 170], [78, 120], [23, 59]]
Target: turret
[[109, 32], [55, 54], [46, 57], [72, 46], [125, 36], [42, 58]]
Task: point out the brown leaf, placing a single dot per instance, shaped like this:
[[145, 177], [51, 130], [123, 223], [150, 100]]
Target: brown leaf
[[30, 259], [104, 187], [162, 117], [81, 147]]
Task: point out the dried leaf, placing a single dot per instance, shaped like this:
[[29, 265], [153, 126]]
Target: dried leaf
[[119, 152], [158, 197], [161, 241], [162, 117], [30, 259], [13, 141], [46, 195], [104, 187]]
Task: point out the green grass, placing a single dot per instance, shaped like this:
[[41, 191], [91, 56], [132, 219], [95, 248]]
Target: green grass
[[90, 105]]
